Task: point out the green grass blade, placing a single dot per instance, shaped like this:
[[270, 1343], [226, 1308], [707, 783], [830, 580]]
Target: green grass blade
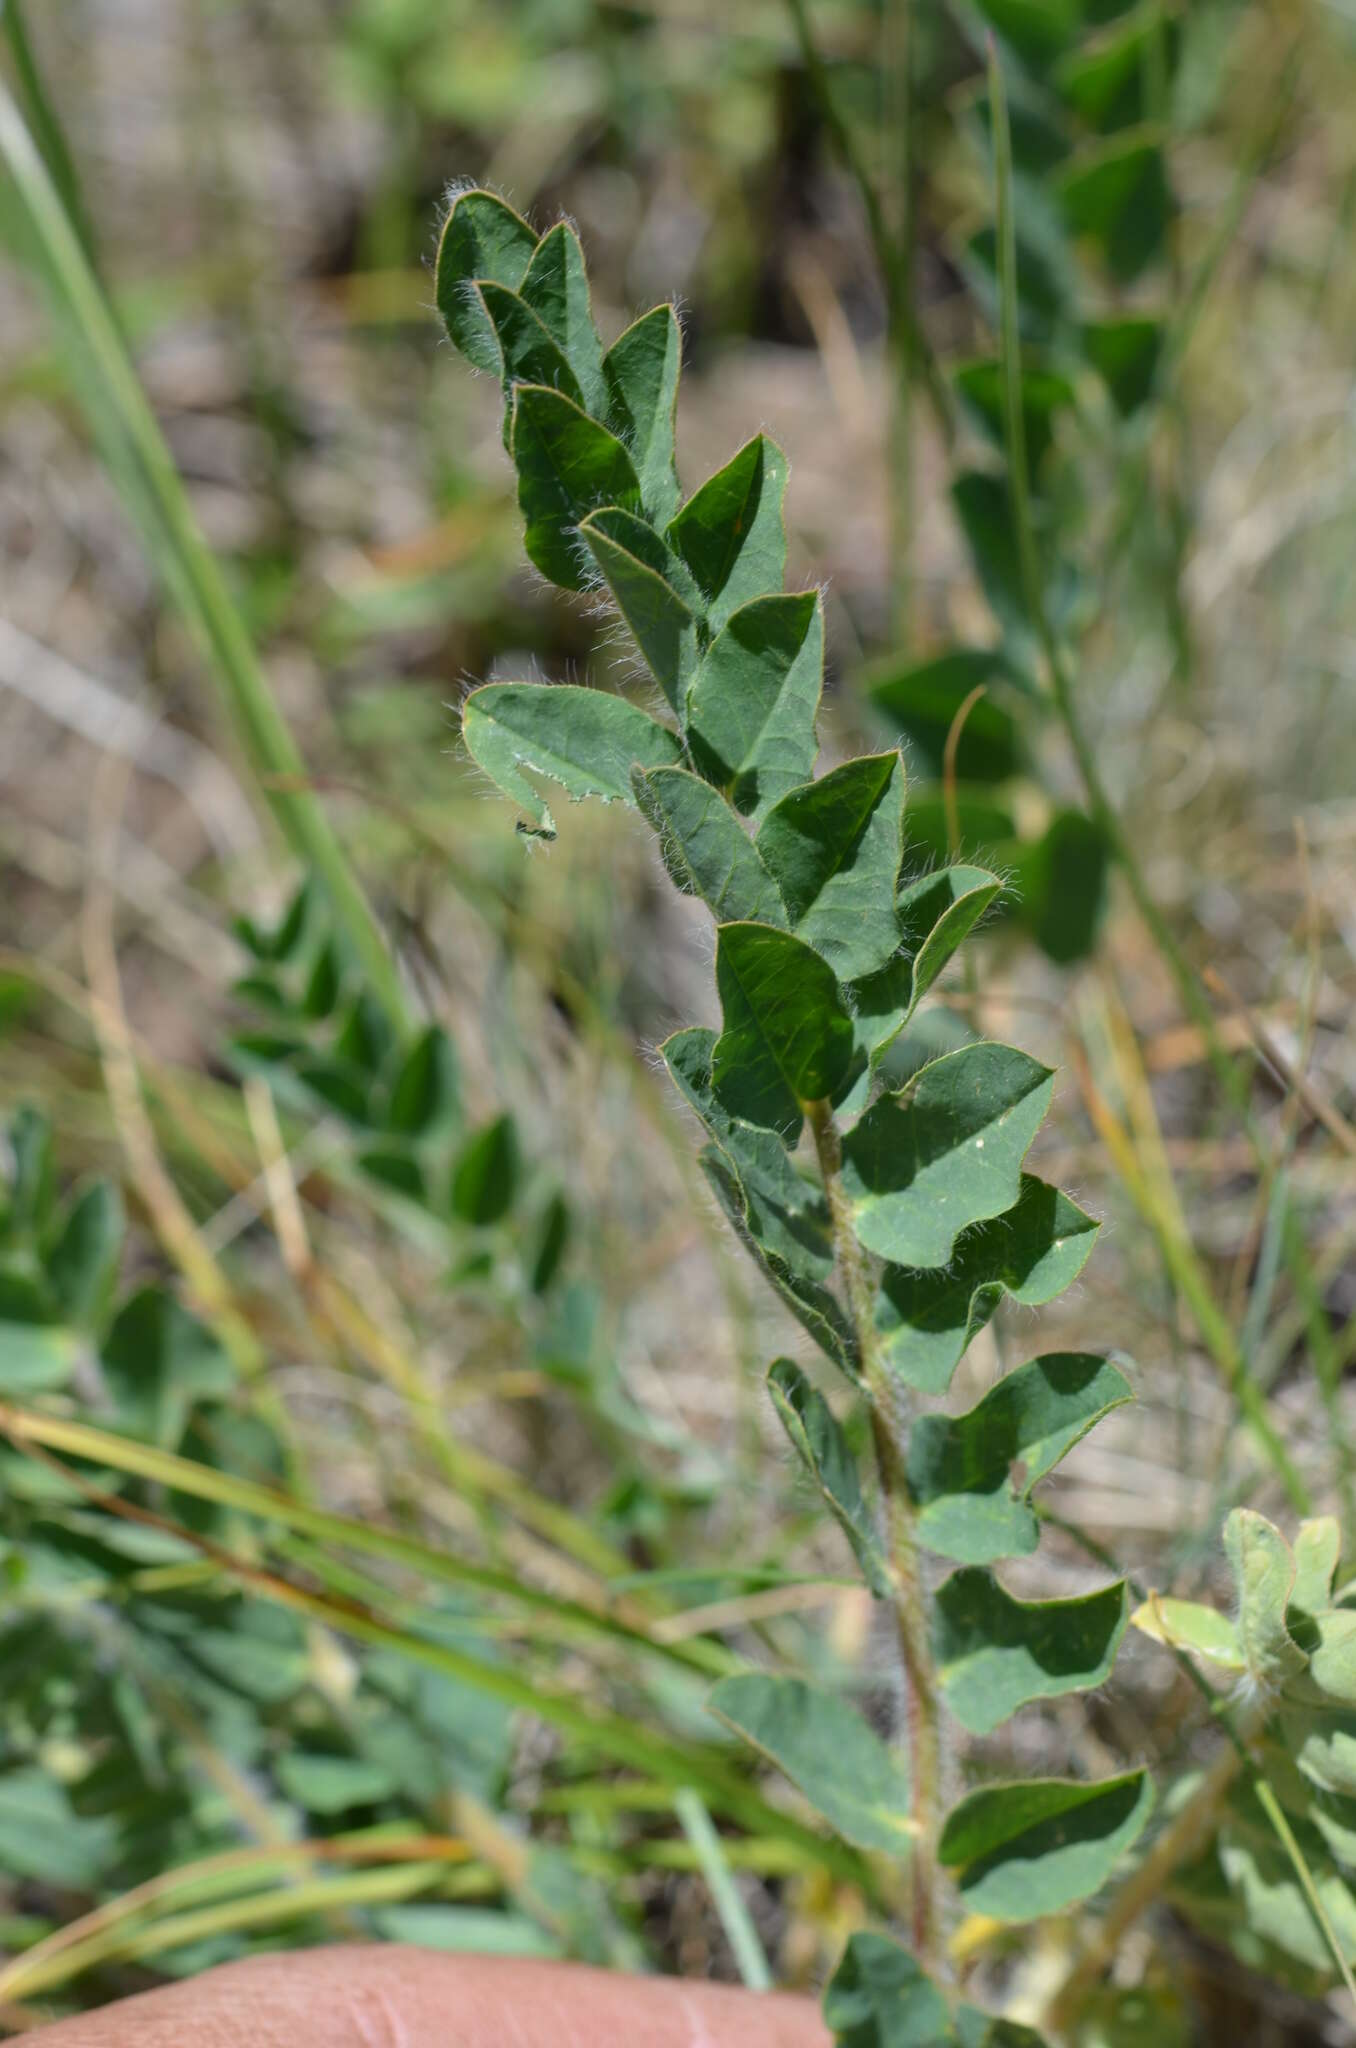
[[740, 1931], [121, 416], [44, 120]]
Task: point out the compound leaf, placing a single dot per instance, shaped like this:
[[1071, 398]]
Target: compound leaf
[[731, 532], [835, 847], [482, 238], [822, 1448], [752, 703], [960, 1468], [706, 850], [1025, 1850], [583, 739], [928, 1318], [826, 1749], [567, 466], [943, 1153], [996, 1654], [787, 1040]]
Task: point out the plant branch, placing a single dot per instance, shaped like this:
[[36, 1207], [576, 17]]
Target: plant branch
[[911, 1621]]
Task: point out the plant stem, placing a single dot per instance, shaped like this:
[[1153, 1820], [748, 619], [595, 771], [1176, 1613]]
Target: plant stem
[[923, 1716], [908, 345], [117, 404]]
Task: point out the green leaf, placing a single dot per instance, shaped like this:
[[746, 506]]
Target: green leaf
[[1318, 1551], [485, 1177], [1059, 885], [1045, 394], [822, 1448], [640, 572], [787, 1040], [36, 1358], [785, 1212], [1332, 1658], [752, 703], [814, 1306], [1188, 1625], [482, 238], [1117, 193], [878, 1997], [706, 850], [555, 285], [1104, 81], [927, 1319], [920, 702], [961, 1468], [82, 1263], [550, 1239], [935, 914], [1125, 354], [1264, 1573], [641, 371], [996, 1654], [43, 1838], [944, 1152], [1037, 30], [332, 1784], [426, 1093], [567, 466], [731, 532], [1020, 1852], [826, 1749], [984, 508], [466, 1930], [26, 1174], [834, 848], [158, 1361], [528, 353], [583, 739]]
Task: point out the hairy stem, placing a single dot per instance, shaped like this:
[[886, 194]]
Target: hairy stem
[[923, 1717]]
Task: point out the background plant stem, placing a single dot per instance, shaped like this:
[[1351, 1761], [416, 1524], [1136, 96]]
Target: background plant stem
[[113, 394]]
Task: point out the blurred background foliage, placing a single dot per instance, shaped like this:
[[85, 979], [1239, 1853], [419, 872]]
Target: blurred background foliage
[[456, 1284]]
